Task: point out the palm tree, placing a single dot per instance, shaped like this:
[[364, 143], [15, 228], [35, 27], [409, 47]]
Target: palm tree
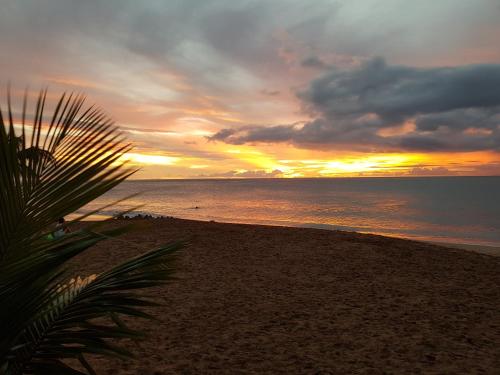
[[52, 168]]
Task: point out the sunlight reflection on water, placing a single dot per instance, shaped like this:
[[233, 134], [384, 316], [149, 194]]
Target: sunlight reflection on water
[[453, 209]]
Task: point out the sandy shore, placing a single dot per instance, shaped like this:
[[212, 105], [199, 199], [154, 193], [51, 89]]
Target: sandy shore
[[483, 249], [257, 299]]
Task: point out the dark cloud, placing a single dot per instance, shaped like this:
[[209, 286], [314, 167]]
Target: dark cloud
[[398, 92], [314, 62], [461, 119], [223, 135], [273, 134], [387, 107]]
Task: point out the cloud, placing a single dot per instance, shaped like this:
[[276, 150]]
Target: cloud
[[422, 171], [378, 106], [314, 62], [488, 169], [270, 92], [223, 135], [244, 174], [152, 64], [394, 92], [472, 169]]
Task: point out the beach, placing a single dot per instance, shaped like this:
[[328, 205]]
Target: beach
[[279, 300]]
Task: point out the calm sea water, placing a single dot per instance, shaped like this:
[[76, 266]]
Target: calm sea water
[[448, 209]]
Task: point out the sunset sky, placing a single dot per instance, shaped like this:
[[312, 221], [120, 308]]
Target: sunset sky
[[235, 88]]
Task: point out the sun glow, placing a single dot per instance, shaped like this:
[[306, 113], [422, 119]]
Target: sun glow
[[257, 159], [366, 164], [341, 165], [146, 159], [220, 160]]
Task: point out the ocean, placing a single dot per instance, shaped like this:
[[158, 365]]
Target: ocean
[[443, 209]]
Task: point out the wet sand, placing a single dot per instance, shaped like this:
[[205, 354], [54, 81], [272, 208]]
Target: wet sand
[[483, 249], [277, 300]]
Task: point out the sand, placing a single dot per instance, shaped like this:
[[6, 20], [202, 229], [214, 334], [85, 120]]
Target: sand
[[277, 300], [483, 249]]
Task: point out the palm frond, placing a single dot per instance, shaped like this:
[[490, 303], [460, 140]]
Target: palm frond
[[49, 169], [65, 326], [52, 168]]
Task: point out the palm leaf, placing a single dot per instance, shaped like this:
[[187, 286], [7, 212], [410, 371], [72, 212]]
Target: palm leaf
[[53, 168], [49, 169], [65, 325]]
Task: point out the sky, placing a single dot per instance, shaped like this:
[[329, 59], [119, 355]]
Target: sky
[[281, 88]]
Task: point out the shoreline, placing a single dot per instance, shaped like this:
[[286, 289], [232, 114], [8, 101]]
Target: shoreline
[[477, 248], [266, 299], [481, 249]]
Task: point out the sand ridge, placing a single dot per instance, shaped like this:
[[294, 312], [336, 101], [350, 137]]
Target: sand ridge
[[260, 299]]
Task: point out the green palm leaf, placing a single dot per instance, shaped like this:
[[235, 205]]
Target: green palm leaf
[[54, 167], [50, 169], [65, 324]]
